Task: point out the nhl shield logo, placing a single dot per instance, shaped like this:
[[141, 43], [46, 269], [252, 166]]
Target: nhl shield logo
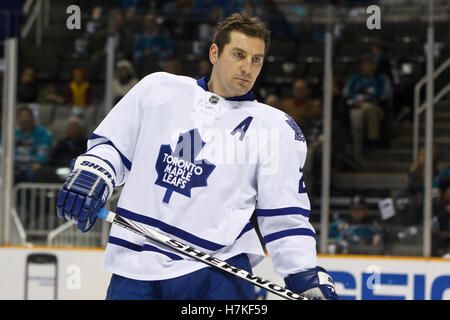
[[179, 171]]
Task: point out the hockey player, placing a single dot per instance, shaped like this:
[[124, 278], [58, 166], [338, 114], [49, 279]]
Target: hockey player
[[196, 158]]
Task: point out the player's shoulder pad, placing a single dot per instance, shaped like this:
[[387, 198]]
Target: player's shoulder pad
[[162, 76], [274, 118]]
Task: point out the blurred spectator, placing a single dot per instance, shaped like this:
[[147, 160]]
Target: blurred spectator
[[212, 10], [252, 8], [131, 4], [123, 40], [70, 147], [50, 95], [358, 229], [203, 68], [79, 95], [276, 20], [298, 105], [384, 65], [273, 100], [415, 189], [96, 22], [124, 79], [173, 66], [441, 212], [32, 146], [365, 93], [179, 19], [27, 89], [445, 172], [152, 42]]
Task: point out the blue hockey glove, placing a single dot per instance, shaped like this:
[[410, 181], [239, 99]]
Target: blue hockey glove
[[85, 191], [314, 283]]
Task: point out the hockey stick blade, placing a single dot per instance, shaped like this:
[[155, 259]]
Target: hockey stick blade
[[198, 255]]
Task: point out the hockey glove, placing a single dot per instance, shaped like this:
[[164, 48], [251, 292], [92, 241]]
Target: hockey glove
[[314, 283], [85, 191]]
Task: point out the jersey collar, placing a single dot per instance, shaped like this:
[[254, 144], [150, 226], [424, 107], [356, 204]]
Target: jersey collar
[[249, 96]]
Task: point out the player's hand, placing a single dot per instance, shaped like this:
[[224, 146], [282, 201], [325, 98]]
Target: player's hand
[[85, 191], [315, 284]]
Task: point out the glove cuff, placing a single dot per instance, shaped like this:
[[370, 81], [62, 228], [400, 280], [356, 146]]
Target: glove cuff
[[99, 167]]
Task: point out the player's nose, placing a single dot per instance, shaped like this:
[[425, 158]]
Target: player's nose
[[246, 67]]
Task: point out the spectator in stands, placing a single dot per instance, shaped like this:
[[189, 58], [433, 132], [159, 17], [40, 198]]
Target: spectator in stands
[[445, 172], [152, 42], [212, 10], [203, 68], [79, 93], [365, 92], [358, 229], [27, 89], [273, 100], [441, 212], [179, 19], [70, 147], [96, 22], [276, 20], [173, 65], [33, 143], [130, 4], [298, 105], [383, 63], [123, 40], [124, 79], [50, 95]]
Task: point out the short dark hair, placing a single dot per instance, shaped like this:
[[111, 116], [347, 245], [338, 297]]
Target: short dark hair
[[248, 25]]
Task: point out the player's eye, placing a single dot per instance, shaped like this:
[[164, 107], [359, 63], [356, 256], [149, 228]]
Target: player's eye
[[238, 54], [257, 60]]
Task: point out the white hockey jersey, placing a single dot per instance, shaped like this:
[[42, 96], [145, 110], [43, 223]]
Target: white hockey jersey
[[196, 166]]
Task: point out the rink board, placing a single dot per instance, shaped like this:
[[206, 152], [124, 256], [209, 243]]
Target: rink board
[[78, 274]]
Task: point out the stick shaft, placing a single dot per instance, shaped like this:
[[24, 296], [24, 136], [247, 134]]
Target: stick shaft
[[198, 255]]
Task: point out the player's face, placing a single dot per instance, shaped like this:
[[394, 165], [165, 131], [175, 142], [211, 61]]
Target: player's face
[[236, 69]]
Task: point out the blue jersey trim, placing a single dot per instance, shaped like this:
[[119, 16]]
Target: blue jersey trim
[[179, 233], [127, 163], [139, 248], [287, 233], [249, 96], [282, 211], [247, 227]]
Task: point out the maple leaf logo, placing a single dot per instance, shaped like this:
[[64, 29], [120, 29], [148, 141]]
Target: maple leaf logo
[[179, 170]]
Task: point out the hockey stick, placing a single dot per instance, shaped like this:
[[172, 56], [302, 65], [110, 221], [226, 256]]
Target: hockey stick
[[198, 255]]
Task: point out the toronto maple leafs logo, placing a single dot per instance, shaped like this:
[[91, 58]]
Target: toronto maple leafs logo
[[179, 170], [298, 132]]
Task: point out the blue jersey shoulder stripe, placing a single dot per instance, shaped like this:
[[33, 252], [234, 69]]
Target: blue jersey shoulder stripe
[[184, 235], [127, 163], [138, 248], [290, 232], [282, 211]]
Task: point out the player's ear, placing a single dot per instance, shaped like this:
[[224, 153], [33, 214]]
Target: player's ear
[[213, 53]]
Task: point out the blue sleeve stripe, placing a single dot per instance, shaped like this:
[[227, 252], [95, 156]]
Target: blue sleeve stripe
[[282, 211], [179, 233], [247, 227], [109, 163], [138, 248], [287, 233], [127, 163]]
